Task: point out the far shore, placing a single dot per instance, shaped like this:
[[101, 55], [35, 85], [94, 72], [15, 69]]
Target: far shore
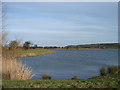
[[50, 51], [29, 52], [39, 51]]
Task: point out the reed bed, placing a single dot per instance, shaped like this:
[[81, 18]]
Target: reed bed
[[13, 69], [0, 70]]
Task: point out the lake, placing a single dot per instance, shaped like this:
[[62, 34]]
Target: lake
[[65, 64]]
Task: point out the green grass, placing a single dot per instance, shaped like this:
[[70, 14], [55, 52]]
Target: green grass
[[37, 51], [109, 81], [24, 53]]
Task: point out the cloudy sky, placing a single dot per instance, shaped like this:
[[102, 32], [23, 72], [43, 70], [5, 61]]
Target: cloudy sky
[[63, 23]]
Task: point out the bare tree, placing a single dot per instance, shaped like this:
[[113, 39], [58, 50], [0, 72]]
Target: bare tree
[[0, 43], [19, 40], [3, 25], [0, 23], [13, 44]]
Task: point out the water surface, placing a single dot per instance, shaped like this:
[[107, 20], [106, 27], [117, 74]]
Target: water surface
[[68, 63]]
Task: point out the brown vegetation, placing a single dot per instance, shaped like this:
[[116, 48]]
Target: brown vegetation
[[12, 69]]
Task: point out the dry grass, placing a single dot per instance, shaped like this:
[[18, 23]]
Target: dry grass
[[0, 66], [12, 69]]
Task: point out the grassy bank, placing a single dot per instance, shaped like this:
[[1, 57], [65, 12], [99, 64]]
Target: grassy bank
[[109, 81], [29, 52], [35, 52]]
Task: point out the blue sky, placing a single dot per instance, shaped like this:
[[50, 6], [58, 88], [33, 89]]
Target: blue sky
[[63, 23]]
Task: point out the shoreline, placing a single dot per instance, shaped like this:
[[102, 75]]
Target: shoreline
[[33, 54], [49, 51]]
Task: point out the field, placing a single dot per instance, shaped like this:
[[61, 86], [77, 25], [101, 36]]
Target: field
[[109, 81]]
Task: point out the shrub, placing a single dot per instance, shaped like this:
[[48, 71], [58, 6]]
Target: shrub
[[113, 69], [46, 77], [103, 71], [74, 78], [26, 45], [109, 70]]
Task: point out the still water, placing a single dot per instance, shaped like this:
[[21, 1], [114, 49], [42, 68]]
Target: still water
[[68, 63]]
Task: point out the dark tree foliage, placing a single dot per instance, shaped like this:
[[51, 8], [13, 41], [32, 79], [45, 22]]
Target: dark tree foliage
[[26, 45]]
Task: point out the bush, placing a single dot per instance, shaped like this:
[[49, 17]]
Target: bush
[[109, 70], [74, 78], [113, 69], [26, 45], [46, 77], [103, 71]]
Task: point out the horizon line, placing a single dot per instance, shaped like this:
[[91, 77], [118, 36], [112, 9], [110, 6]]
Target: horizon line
[[79, 44]]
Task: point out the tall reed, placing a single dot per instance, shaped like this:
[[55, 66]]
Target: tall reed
[[12, 69]]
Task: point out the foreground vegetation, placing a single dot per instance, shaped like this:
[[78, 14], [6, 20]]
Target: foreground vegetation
[[12, 69], [108, 81]]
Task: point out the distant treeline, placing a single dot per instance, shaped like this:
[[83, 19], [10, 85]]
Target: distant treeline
[[97, 46], [101, 46]]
